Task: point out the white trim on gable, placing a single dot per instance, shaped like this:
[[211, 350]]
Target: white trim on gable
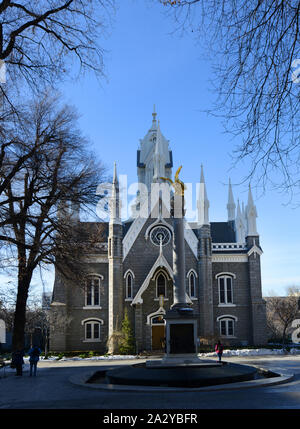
[[254, 249], [132, 234], [159, 263], [190, 238], [138, 224]]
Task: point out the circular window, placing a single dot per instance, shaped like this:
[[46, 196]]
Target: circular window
[[160, 234]]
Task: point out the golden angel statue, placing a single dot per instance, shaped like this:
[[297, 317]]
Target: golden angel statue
[[178, 185]]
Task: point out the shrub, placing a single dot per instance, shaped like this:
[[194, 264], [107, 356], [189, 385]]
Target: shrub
[[126, 346]]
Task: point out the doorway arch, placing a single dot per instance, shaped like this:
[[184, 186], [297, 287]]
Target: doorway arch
[[157, 332]]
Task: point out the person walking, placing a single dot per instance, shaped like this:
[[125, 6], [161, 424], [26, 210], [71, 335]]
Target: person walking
[[34, 356], [219, 350], [18, 361]]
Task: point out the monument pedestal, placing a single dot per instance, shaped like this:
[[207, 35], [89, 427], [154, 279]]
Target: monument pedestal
[[181, 331], [181, 339]]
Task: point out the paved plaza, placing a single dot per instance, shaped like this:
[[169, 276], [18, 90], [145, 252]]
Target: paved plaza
[[53, 389]]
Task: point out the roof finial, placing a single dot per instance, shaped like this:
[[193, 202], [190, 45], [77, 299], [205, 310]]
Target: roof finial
[[154, 114]]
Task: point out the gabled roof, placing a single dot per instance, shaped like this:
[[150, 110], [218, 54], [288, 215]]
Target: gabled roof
[[160, 262]]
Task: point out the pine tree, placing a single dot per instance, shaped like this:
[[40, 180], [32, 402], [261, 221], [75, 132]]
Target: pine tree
[[127, 340]]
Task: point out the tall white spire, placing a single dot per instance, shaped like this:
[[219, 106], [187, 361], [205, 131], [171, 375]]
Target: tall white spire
[[159, 160], [231, 204], [251, 215], [115, 199], [240, 225], [202, 203]]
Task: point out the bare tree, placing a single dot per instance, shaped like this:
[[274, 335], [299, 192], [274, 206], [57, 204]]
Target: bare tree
[[256, 53], [41, 40], [42, 228], [281, 311]]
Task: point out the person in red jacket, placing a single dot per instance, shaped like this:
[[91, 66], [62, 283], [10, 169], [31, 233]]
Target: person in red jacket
[[219, 350]]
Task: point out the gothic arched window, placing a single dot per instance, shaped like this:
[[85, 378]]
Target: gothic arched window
[[192, 285], [129, 286], [161, 285]]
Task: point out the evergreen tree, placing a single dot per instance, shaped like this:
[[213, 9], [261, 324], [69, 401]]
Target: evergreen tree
[[127, 339]]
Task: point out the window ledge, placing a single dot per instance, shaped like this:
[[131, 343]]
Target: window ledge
[[227, 305], [228, 336], [157, 299], [92, 341], [193, 298], [91, 307], [128, 299]]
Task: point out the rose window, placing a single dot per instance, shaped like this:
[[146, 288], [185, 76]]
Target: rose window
[[160, 234]]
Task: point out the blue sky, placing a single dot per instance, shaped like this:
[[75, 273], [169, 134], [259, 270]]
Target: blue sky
[[146, 64]]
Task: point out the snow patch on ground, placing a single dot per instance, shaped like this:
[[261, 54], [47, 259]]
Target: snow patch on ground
[[114, 357], [247, 352], [228, 353]]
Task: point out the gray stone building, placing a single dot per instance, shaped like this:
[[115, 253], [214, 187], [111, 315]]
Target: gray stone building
[[131, 268]]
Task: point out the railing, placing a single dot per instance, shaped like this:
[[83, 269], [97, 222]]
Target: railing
[[229, 246]]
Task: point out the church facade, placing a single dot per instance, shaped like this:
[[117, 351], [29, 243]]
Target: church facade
[[132, 268]]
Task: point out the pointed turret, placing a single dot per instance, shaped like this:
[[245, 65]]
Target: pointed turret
[[203, 203], [115, 199], [115, 265], [251, 215], [231, 204], [239, 225]]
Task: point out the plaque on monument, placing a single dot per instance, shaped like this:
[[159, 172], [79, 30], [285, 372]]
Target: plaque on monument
[[182, 338]]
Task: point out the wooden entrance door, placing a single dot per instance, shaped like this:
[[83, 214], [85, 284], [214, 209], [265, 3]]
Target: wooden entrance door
[[158, 335]]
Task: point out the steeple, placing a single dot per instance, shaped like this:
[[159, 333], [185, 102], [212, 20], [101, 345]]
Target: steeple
[[251, 215], [115, 199], [230, 205], [154, 121], [239, 225], [202, 203], [154, 157]]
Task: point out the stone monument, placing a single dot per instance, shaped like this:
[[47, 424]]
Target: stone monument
[[181, 320]]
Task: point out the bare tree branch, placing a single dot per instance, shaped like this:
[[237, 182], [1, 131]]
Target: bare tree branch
[[253, 46]]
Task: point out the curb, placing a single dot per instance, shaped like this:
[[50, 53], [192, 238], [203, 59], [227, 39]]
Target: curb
[[81, 381]]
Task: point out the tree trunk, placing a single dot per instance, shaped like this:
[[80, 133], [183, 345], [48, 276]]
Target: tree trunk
[[18, 339], [283, 337]]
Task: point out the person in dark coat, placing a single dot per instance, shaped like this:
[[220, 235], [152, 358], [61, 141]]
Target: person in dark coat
[[219, 350], [34, 356], [18, 361]]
